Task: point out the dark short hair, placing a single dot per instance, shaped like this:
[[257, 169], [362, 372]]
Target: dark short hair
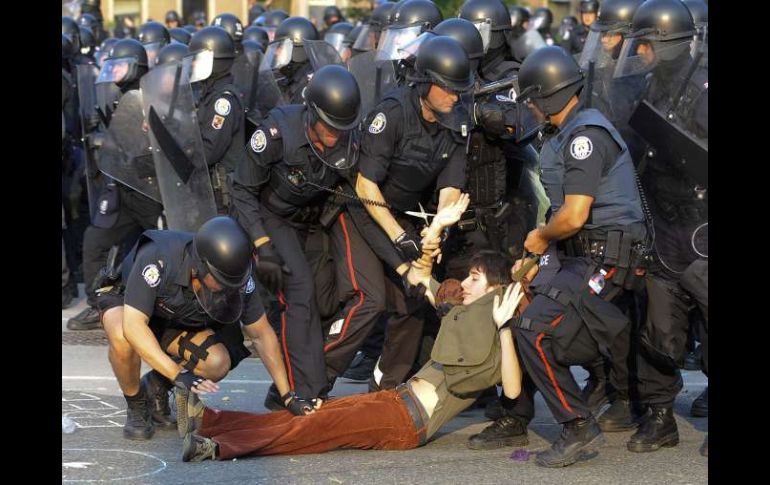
[[495, 265]]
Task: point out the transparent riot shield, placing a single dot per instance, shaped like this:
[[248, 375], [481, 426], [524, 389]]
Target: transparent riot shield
[[527, 43], [89, 123], [375, 78], [126, 154], [183, 176], [320, 53]]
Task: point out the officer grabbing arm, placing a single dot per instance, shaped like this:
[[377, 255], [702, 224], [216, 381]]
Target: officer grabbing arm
[[407, 149]]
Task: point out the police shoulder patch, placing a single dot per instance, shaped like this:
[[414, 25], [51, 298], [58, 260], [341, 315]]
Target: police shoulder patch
[[378, 123], [249, 288], [222, 107], [258, 141], [217, 122], [581, 148], [151, 275]]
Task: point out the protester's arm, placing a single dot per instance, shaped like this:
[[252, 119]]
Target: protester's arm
[[502, 312]]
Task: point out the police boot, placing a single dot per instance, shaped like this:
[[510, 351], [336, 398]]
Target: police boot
[[157, 388], [619, 416], [579, 438], [273, 399], [139, 424], [658, 429], [88, 319], [700, 407], [506, 431], [361, 367]]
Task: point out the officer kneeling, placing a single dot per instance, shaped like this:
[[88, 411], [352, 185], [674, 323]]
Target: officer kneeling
[[590, 248], [176, 305]]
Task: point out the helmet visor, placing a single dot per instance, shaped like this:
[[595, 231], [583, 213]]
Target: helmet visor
[[222, 303], [152, 53], [394, 40], [639, 56], [199, 65], [117, 70], [270, 33], [485, 30], [599, 48], [409, 51], [335, 39], [278, 54], [366, 40]]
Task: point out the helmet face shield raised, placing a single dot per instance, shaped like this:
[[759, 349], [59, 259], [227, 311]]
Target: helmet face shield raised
[[200, 65], [393, 40], [117, 70]]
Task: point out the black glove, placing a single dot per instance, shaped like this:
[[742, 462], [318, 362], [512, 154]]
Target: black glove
[[409, 246], [187, 380], [296, 405], [270, 268], [491, 118]]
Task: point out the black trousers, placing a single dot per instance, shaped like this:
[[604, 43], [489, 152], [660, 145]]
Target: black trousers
[[137, 213], [360, 285], [300, 321]]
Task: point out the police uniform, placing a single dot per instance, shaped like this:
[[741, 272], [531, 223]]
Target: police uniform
[[279, 192], [409, 159], [293, 84], [156, 279], [679, 276], [568, 321], [577, 39], [222, 125]]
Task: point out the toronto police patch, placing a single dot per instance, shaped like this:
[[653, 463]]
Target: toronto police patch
[[378, 123], [258, 141], [581, 148], [151, 275], [222, 107]]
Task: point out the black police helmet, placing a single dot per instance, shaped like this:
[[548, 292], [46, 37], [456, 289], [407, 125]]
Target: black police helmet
[[152, 32], [340, 28], [171, 53], [381, 16], [255, 11], [463, 32], [544, 15], [217, 40], [549, 77], [180, 35], [443, 61], [222, 248], [480, 10], [273, 18], [616, 15], [88, 20], [172, 16], [334, 95], [129, 48], [71, 29], [253, 46], [257, 34], [332, 11], [87, 39], [699, 11], [588, 6], [662, 20], [231, 24], [298, 29], [107, 44], [409, 13], [518, 15]]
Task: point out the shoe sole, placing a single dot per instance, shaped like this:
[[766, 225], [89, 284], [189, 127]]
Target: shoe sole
[[616, 427], [584, 453], [522, 440], [667, 442]]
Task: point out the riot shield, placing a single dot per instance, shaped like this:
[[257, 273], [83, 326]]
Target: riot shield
[[106, 96], [320, 53], [183, 176], [244, 73], [126, 154], [89, 122], [672, 142], [374, 78]]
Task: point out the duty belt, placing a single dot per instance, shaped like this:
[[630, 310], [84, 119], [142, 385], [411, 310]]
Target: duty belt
[[415, 409]]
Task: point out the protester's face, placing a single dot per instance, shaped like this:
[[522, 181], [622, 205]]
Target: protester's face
[[475, 286]]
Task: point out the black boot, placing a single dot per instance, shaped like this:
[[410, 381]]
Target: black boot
[[618, 417], [657, 430], [700, 407], [578, 439], [597, 392], [138, 419], [88, 319], [158, 388], [506, 431]]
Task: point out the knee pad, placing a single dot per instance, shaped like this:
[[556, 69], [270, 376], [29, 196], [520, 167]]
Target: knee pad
[[197, 352]]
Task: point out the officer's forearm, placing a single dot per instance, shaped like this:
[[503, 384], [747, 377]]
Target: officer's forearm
[[367, 189], [510, 370], [137, 331], [569, 219], [245, 204], [266, 344]]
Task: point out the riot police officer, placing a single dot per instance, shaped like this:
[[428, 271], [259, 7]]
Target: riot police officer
[[255, 11], [332, 15], [153, 36], [127, 204], [676, 103], [287, 58], [90, 21], [272, 20], [590, 248], [176, 303], [412, 148], [219, 108], [256, 34], [172, 20], [295, 157], [588, 11], [171, 53], [233, 26], [179, 36], [542, 20]]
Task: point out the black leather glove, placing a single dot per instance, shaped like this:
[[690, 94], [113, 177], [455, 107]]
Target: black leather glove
[[270, 268], [296, 405], [409, 246], [187, 380], [491, 118]]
